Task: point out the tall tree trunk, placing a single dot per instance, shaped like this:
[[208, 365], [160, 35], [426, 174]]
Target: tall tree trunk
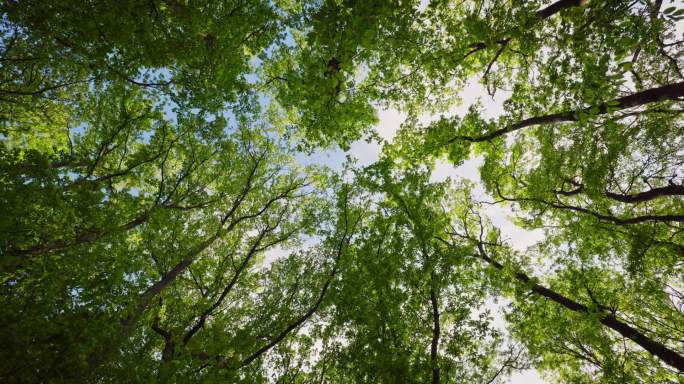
[[662, 352], [667, 92], [435, 331], [598, 215], [96, 359]]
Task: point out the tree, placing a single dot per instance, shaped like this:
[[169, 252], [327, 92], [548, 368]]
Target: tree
[[160, 226]]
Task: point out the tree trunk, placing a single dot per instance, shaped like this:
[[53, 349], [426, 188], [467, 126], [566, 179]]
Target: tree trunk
[[435, 333], [667, 92], [657, 349]]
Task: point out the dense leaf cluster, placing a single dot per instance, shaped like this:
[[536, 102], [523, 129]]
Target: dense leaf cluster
[[160, 225]]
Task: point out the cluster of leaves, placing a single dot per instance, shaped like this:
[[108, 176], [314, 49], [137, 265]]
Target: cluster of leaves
[[158, 226]]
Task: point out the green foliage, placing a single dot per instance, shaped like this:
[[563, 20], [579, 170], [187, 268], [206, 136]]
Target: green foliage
[[159, 225]]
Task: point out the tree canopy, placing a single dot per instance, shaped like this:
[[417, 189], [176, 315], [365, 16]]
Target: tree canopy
[[161, 222]]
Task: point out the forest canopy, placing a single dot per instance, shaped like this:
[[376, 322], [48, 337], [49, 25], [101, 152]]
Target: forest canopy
[[161, 221]]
